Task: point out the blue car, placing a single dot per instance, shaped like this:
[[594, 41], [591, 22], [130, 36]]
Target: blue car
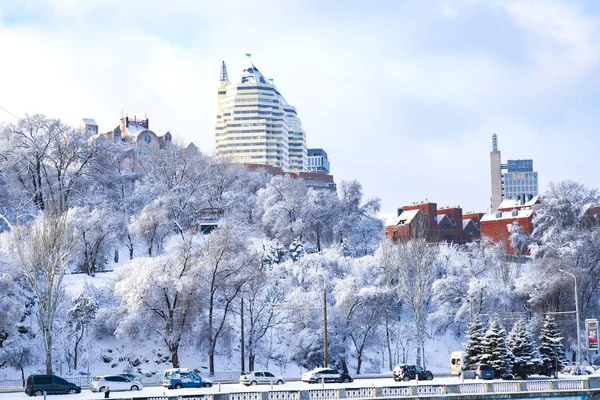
[[177, 378]]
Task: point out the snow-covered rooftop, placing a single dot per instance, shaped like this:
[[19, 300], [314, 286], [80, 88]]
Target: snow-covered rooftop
[[521, 213], [134, 128], [89, 121], [509, 204], [405, 218]]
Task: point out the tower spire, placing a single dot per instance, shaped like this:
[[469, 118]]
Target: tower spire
[[223, 76], [494, 142]]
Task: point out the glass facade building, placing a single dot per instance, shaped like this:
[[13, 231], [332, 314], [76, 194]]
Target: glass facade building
[[256, 125], [318, 161], [520, 181]]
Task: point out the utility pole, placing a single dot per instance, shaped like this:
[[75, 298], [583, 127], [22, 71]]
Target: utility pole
[[576, 316], [242, 335], [325, 363]]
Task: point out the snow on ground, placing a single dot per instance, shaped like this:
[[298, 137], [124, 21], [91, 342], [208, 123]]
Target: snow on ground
[[236, 388]]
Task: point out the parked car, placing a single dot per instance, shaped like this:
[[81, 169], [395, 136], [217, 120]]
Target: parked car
[[478, 371], [261, 377], [131, 377], [406, 372], [328, 374], [116, 383], [36, 385], [177, 378]]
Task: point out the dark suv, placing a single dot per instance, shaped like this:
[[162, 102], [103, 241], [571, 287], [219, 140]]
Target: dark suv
[[404, 372], [51, 384]]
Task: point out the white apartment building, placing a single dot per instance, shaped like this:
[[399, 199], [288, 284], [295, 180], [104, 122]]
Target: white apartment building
[[256, 125]]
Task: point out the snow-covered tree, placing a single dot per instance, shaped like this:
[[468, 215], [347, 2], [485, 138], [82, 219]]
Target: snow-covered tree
[[358, 221], [42, 252], [48, 159], [19, 352], [223, 260], [518, 239], [154, 224], [474, 344], [281, 204], [79, 316], [362, 298], [158, 295], [524, 350], [296, 249], [97, 232], [418, 268], [495, 351], [552, 352]]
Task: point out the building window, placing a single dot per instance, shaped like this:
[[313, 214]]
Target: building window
[[471, 232], [395, 234], [445, 227]]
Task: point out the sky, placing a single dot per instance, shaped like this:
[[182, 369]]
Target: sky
[[403, 95]]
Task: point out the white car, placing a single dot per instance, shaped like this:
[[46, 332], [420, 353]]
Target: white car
[[115, 383], [327, 375], [261, 377]]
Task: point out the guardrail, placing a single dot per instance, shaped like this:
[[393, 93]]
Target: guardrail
[[547, 387]]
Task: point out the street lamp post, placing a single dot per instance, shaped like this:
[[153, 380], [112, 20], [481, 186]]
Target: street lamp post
[[576, 316], [324, 322]]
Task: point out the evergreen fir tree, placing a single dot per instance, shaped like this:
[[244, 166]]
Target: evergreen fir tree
[[524, 350], [552, 351], [296, 249], [474, 347], [346, 249], [495, 350]]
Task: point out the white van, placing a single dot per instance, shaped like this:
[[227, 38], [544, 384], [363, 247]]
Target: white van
[[457, 362]]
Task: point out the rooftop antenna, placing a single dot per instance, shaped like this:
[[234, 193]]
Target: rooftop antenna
[[494, 142], [223, 77]]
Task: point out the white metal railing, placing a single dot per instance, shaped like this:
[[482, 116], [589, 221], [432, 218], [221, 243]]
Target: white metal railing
[[471, 388], [430, 390], [360, 393], [245, 396], [537, 386], [568, 384], [284, 395], [503, 387], [396, 391], [323, 394]]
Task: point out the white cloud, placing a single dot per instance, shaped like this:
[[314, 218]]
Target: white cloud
[[393, 102]]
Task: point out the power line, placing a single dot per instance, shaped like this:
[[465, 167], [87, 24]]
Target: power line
[[5, 110]]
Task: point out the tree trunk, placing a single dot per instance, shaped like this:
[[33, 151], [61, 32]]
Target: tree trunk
[[358, 363], [251, 358], [22, 374], [344, 366], [389, 343], [77, 341], [211, 362], [175, 356], [48, 350]]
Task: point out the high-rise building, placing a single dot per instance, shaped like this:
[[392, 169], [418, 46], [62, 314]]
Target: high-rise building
[[519, 182], [256, 125], [318, 161]]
